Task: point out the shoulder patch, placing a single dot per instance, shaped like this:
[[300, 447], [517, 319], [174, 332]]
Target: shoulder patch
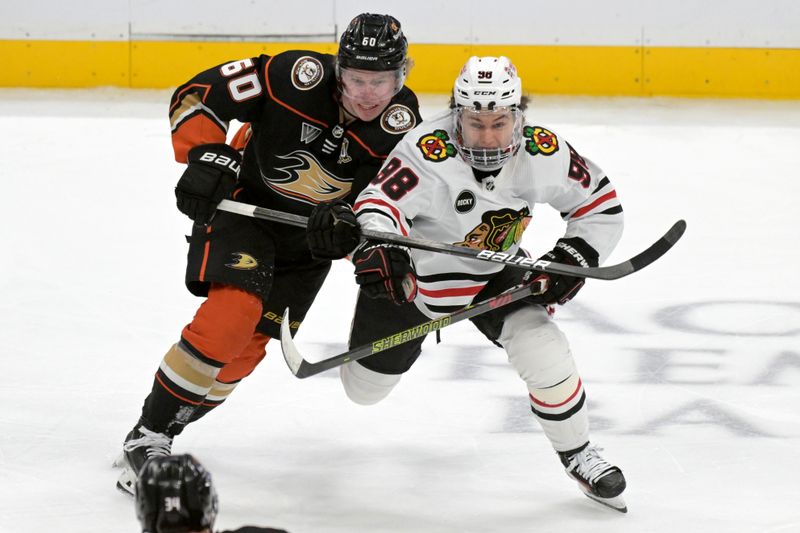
[[397, 118], [539, 140], [434, 146], [307, 72]]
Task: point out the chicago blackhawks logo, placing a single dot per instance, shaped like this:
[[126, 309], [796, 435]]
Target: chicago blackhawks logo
[[539, 140], [434, 146], [305, 179], [498, 230], [306, 73], [242, 261]]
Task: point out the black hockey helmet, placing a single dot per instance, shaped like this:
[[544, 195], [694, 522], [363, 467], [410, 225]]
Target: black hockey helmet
[[373, 42], [174, 494]]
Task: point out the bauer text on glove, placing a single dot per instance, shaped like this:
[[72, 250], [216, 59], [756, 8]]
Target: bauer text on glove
[[209, 178]]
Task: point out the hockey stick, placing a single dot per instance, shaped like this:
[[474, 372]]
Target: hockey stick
[[610, 272], [302, 368]]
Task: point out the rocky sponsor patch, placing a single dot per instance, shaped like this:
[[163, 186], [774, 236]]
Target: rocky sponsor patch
[[465, 201]]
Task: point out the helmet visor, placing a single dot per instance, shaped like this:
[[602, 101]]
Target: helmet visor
[[487, 138], [371, 86]]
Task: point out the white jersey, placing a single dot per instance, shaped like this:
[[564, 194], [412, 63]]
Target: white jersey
[[426, 190]]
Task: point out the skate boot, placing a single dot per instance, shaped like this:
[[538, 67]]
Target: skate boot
[[598, 479], [140, 445]]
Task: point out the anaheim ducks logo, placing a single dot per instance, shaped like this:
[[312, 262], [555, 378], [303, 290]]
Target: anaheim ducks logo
[[242, 261], [306, 73], [398, 119], [305, 179], [540, 140], [434, 146], [498, 230]]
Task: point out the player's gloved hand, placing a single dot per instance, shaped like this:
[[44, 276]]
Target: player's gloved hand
[[332, 230], [561, 288], [385, 271], [209, 177]]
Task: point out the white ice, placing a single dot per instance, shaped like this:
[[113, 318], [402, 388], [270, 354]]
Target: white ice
[[692, 366]]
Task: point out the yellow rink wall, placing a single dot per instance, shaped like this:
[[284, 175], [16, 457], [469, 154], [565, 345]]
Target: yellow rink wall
[[571, 70]]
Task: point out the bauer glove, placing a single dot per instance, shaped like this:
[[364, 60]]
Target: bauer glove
[[209, 177], [332, 230], [385, 271]]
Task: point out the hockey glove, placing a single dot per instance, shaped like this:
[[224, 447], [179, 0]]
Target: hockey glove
[[385, 271], [562, 288], [209, 177], [332, 230]]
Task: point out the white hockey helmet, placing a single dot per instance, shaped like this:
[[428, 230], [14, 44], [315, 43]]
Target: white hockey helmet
[[488, 85], [488, 82]]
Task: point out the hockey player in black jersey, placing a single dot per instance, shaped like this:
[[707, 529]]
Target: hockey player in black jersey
[[175, 494], [317, 127]]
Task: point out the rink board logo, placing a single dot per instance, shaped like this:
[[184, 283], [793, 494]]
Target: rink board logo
[[306, 73], [434, 146], [242, 261], [465, 202], [398, 119], [410, 334], [540, 140]]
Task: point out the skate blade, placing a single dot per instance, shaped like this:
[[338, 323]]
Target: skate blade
[[616, 503], [127, 482]]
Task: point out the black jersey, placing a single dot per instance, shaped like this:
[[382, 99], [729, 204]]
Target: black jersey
[[301, 147]]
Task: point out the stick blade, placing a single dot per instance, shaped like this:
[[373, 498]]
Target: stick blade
[[660, 247], [291, 354]]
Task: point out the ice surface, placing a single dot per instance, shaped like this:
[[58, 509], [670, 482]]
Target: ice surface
[[692, 367]]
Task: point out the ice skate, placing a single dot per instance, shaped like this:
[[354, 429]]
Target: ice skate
[[598, 479], [139, 446]]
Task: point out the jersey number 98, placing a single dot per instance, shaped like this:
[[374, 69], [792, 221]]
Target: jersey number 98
[[397, 180]]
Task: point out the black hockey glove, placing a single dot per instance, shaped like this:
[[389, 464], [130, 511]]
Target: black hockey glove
[[385, 271], [332, 230], [562, 288], [209, 177]]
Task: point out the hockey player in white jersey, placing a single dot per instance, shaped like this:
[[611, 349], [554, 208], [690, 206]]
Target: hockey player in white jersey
[[472, 177]]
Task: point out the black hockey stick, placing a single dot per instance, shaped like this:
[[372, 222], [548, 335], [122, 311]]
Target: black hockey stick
[[610, 272], [302, 368]]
